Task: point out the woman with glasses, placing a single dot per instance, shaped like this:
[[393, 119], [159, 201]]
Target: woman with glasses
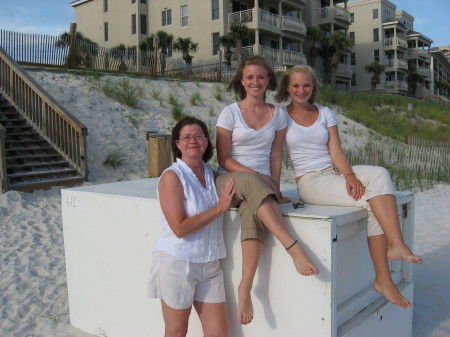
[[186, 270], [250, 137]]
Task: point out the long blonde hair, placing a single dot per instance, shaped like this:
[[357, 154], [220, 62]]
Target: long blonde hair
[[282, 94]]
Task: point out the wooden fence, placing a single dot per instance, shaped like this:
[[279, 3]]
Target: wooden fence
[[54, 123], [52, 51]]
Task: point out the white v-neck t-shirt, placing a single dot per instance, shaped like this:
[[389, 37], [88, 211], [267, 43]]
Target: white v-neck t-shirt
[[308, 145], [250, 147]]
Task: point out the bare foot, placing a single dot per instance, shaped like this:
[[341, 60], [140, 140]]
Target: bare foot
[[301, 261], [392, 294], [402, 252], [245, 307]]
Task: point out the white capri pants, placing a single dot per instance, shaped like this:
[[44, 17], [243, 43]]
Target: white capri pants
[[328, 188]]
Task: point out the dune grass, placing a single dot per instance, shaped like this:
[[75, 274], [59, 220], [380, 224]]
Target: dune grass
[[389, 114]]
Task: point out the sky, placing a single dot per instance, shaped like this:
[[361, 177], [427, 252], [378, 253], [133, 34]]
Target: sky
[[53, 17]]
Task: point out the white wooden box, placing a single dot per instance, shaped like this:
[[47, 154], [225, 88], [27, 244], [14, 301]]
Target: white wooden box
[[110, 229]]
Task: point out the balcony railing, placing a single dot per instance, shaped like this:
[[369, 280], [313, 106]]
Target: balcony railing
[[272, 20], [425, 72], [272, 55], [396, 64], [327, 14], [344, 70], [240, 17], [394, 43], [293, 58], [293, 24], [396, 86], [269, 18]]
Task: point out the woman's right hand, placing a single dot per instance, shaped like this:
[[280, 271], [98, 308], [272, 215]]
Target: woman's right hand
[[226, 195]]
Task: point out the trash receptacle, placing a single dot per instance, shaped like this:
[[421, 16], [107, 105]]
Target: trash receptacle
[[159, 153]]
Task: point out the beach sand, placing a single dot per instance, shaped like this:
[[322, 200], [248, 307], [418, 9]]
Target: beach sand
[[33, 285]]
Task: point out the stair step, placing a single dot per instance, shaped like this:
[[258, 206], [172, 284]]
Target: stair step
[[48, 163], [31, 148], [37, 156], [32, 186], [40, 173]]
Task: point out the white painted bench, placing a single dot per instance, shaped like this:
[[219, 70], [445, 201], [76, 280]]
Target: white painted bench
[[110, 229]]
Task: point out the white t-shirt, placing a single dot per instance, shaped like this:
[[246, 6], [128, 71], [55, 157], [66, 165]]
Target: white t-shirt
[[308, 145], [206, 244], [250, 147]]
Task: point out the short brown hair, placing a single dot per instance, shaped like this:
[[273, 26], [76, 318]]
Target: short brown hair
[[189, 120], [283, 95], [236, 84]]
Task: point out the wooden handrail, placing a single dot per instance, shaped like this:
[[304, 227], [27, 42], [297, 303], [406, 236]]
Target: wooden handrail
[[54, 123], [3, 180]]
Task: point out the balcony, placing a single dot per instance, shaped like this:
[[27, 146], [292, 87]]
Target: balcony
[[425, 72], [334, 14], [293, 25], [416, 53], [268, 21], [293, 58], [393, 43], [344, 70], [396, 64], [396, 87]]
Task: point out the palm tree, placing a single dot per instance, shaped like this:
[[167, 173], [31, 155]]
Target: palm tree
[[315, 35], [165, 41], [340, 43], [414, 78], [84, 51], [240, 32], [228, 42], [376, 69], [186, 45]]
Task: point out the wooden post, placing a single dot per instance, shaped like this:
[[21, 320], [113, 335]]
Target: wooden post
[[155, 56], [219, 67], [71, 56]]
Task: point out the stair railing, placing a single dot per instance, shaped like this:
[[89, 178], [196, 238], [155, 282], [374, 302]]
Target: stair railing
[[63, 131], [3, 180]]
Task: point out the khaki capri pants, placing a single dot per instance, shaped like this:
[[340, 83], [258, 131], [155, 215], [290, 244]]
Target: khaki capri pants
[[251, 190], [328, 188]]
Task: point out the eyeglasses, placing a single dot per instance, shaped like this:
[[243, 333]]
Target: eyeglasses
[[188, 138]]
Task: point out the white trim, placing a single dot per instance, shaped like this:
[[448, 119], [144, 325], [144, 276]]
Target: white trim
[[78, 2]]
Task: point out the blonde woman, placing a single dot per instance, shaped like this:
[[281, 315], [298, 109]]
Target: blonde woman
[[324, 177]]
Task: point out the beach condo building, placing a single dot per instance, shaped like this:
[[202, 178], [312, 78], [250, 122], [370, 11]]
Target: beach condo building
[[440, 74], [384, 34], [279, 30], [331, 16]]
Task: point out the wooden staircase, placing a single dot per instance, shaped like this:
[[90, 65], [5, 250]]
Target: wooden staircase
[[31, 162]]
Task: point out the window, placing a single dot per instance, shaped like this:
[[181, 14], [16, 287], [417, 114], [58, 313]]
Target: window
[[143, 1], [353, 81], [352, 36], [376, 55], [166, 17], [375, 13], [105, 5], [215, 43], [133, 1], [106, 31], [184, 16], [274, 44], [133, 24], [387, 14], [376, 37], [352, 17], [352, 59], [215, 10], [143, 24]]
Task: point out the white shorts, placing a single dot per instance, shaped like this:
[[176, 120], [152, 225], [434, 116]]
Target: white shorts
[[179, 283]]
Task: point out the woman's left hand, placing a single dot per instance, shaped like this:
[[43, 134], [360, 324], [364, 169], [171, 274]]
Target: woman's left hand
[[355, 188], [282, 199]]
